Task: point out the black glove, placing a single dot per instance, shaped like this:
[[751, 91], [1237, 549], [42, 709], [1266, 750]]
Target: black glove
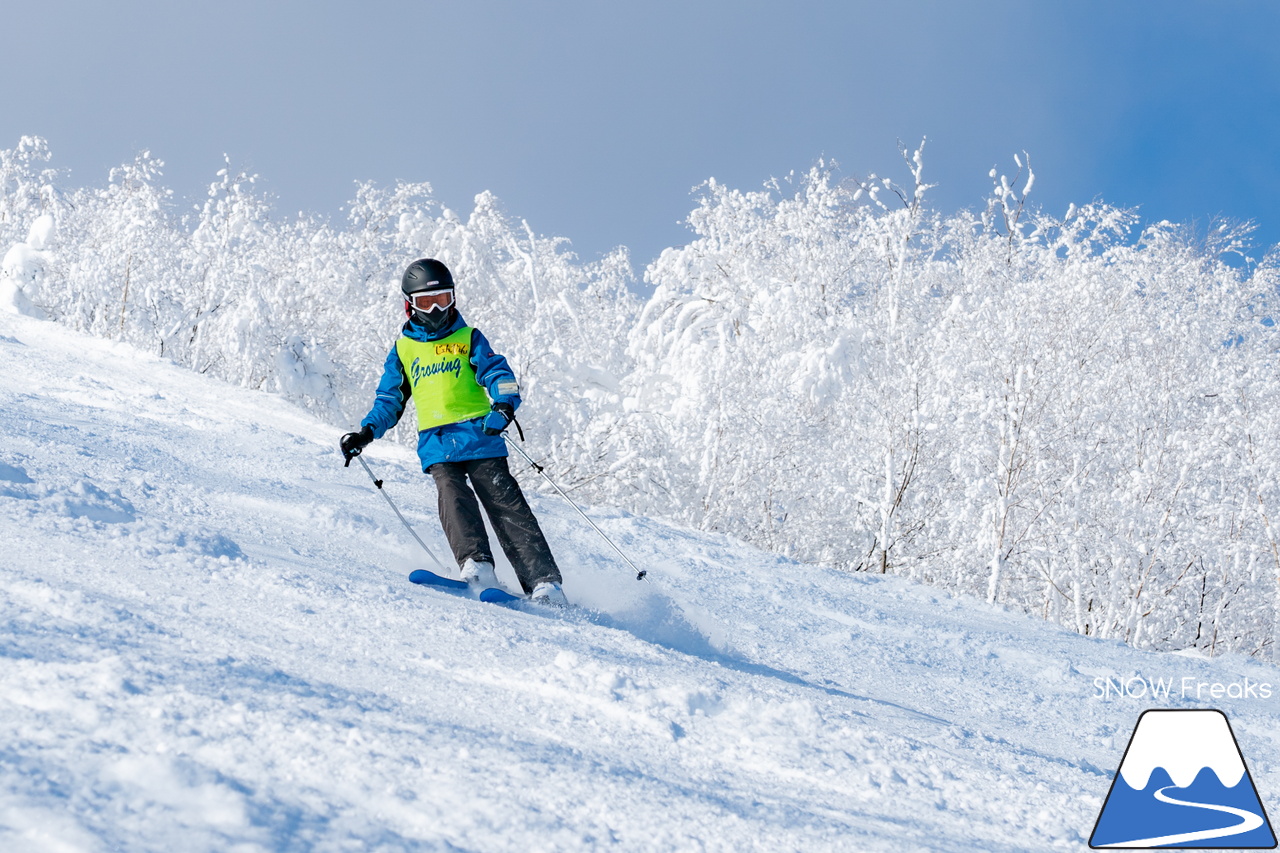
[[498, 419], [353, 442]]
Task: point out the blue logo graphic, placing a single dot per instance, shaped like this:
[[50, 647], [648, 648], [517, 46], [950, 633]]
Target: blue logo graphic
[[1183, 783]]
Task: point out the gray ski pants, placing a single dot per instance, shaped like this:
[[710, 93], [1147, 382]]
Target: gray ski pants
[[517, 530]]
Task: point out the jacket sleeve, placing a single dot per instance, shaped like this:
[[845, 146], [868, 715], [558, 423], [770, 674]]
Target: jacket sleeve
[[492, 371], [392, 397]]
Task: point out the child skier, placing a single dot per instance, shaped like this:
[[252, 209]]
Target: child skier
[[465, 395]]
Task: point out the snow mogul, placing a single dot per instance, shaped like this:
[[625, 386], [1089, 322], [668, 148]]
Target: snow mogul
[[465, 395]]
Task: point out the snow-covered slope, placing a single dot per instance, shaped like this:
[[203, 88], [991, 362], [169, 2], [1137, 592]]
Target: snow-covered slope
[[207, 642]]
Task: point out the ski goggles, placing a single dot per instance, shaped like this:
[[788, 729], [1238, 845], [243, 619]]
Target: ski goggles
[[435, 300]]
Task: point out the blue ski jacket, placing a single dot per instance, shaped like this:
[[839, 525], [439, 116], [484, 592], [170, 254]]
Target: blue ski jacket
[[457, 442]]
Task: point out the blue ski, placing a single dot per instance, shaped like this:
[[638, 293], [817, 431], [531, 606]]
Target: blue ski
[[492, 595]]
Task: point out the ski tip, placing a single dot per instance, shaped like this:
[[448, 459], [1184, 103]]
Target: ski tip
[[426, 578], [492, 595]]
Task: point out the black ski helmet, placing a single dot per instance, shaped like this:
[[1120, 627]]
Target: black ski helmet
[[424, 276]]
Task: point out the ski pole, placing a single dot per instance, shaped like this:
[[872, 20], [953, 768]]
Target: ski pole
[[396, 509], [640, 573]]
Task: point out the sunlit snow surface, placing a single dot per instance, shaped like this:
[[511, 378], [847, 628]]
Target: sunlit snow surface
[[208, 642]]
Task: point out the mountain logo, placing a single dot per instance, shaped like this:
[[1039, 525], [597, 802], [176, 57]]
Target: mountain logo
[[1183, 783]]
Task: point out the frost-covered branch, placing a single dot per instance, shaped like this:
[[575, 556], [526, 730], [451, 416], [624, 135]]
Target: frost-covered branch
[[1046, 413]]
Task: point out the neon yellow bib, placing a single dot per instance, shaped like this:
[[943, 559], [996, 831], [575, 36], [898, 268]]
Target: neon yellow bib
[[444, 384]]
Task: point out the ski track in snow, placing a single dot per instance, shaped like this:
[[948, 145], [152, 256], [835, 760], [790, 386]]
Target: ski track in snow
[[209, 643]]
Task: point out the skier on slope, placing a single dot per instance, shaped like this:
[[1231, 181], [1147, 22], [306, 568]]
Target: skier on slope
[[465, 395]]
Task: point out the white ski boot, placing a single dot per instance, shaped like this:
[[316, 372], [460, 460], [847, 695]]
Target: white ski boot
[[549, 592], [479, 575]]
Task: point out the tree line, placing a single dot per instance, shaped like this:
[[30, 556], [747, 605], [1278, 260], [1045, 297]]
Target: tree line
[[1073, 416]]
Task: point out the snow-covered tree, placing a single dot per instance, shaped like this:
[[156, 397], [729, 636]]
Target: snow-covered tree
[[1069, 416]]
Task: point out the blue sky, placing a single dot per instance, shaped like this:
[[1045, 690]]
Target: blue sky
[[594, 120]]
